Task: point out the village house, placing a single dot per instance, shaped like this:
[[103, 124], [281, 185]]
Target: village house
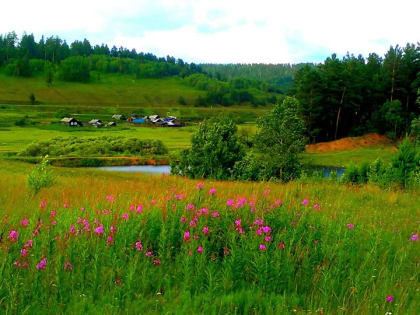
[[96, 123], [119, 117], [72, 122], [111, 124]]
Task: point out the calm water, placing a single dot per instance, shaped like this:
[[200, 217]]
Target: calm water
[[151, 169], [166, 169]]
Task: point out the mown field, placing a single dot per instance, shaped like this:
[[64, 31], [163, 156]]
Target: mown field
[[97, 242]]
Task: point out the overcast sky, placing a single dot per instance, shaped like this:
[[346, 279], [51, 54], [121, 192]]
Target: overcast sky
[[224, 31]]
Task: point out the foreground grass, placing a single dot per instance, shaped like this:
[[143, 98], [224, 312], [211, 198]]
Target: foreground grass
[[344, 250]]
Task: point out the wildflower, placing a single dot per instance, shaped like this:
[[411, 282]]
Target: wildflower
[[212, 191], [153, 202], [66, 205], [316, 241], [183, 220], [200, 249], [139, 209], [42, 264], [43, 204], [200, 186], [13, 235], [189, 252], [266, 229], [109, 240], [317, 207], [215, 214], [230, 203], [156, 262], [28, 244], [23, 252], [68, 266], [206, 230], [240, 230], [389, 298], [125, 216], [139, 246], [187, 236], [112, 229], [281, 245], [298, 215], [99, 230], [259, 231], [149, 254], [238, 222], [252, 203], [414, 238], [110, 198], [53, 213], [54, 222], [305, 202], [190, 207], [259, 221], [196, 237], [267, 239], [24, 222], [193, 223], [350, 226], [262, 247], [278, 203], [82, 209], [266, 192], [225, 251], [204, 211]]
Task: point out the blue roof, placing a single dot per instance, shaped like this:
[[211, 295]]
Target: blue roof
[[139, 121]]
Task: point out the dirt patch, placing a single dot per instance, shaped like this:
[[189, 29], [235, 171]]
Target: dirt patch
[[369, 140]]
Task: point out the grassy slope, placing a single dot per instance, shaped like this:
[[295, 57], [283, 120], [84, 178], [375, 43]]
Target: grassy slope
[[324, 264]]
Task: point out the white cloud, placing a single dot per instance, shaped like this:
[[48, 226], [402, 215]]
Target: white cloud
[[245, 31]]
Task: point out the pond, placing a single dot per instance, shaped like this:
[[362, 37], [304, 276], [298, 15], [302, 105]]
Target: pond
[[166, 169], [150, 169]]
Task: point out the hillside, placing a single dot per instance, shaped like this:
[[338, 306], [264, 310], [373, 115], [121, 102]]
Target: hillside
[[111, 89]]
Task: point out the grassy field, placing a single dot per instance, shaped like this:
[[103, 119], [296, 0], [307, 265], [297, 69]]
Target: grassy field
[[128, 243]]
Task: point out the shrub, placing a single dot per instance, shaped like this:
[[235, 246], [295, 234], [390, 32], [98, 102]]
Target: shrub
[[41, 176], [404, 164]]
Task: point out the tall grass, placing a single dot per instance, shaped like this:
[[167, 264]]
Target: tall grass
[[327, 248]]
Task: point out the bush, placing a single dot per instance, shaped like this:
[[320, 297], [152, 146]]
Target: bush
[[405, 164], [215, 150], [41, 176]]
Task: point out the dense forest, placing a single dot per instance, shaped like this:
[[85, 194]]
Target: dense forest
[[279, 75], [354, 95]]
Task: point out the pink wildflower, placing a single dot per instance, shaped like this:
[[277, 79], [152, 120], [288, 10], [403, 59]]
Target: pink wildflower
[[266, 192], [68, 266], [112, 229], [148, 253], [183, 220], [282, 245], [72, 229], [238, 222], [109, 240], [28, 244], [156, 262], [13, 235], [23, 252], [42, 264], [66, 205], [53, 213], [187, 236], [389, 298], [82, 209], [225, 251], [267, 239], [215, 214], [43, 204], [305, 202], [259, 231], [230, 203], [196, 237], [414, 238], [317, 207], [110, 198], [139, 246], [190, 207], [266, 229], [125, 216], [139, 209], [193, 223], [259, 221], [263, 247], [350, 226], [212, 191], [204, 211], [200, 186], [200, 249], [153, 202], [24, 222], [99, 230], [206, 230]]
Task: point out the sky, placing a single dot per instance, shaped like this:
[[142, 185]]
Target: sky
[[224, 31]]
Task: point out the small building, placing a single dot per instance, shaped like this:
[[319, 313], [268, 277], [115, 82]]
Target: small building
[[72, 122], [153, 118], [96, 123], [119, 117], [111, 124], [139, 121]]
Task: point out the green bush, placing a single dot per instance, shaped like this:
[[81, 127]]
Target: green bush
[[405, 164], [41, 176]]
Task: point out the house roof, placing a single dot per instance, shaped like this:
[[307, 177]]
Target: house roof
[[67, 119], [95, 121]]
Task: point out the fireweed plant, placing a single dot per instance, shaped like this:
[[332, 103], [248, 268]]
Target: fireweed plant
[[172, 245]]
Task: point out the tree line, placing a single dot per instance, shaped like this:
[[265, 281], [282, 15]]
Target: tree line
[[353, 95]]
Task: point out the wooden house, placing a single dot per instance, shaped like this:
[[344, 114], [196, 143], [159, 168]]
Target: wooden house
[[96, 123], [72, 122]]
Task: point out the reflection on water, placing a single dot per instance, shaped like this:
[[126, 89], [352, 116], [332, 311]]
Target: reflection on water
[[151, 169]]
